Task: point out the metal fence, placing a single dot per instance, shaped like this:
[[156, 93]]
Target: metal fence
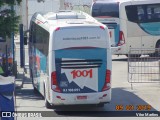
[[143, 68]]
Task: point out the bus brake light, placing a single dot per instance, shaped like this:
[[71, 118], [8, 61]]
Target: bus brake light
[[102, 27], [55, 86], [110, 33], [107, 81], [58, 28], [121, 38]]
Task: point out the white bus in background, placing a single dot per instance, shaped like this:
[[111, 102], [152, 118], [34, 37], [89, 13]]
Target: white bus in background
[[70, 58], [132, 23]]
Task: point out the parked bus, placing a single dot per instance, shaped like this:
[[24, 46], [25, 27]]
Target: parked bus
[[132, 23], [70, 58]]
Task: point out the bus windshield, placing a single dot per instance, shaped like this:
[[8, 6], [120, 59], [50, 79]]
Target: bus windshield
[[105, 9]]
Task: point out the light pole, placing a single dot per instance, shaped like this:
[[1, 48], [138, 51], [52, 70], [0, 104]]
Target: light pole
[[27, 14], [12, 37]]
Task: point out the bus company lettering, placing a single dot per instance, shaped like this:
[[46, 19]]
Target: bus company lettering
[[80, 73]]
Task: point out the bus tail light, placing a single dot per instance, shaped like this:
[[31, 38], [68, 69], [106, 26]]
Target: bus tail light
[[57, 29], [110, 34], [107, 81], [121, 38], [102, 27], [54, 86]]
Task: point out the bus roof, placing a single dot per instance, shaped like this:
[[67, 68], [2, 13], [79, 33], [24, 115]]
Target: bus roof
[[64, 18], [64, 15]]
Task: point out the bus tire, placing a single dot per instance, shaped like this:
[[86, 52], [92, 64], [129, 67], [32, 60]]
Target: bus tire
[[134, 56], [34, 88], [157, 52], [47, 104], [152, 55]]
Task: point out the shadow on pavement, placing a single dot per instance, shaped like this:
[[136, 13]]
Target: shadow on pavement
[[22, 92], [121, 96], [28, 94]]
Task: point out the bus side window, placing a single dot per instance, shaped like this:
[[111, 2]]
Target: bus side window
[[153, 13], [141, 13], [132, 14]]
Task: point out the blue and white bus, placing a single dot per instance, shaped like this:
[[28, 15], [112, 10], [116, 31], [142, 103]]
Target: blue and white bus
[[70, 58], [132, 23]]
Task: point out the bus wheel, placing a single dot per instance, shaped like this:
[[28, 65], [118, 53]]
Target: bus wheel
[[47, 104], [157, 51], [152, 55], [134, 56]]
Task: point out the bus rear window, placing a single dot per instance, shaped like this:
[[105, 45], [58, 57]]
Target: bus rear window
[[105, 9]]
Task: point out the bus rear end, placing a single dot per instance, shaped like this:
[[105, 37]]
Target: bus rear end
[[81, 66], [107, 12]]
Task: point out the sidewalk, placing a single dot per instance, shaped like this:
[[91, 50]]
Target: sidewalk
[[26, 98], [19, 81]]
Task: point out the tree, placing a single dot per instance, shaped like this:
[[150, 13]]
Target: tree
[[8, 19]]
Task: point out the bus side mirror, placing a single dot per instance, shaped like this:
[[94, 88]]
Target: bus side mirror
[[25, 40]]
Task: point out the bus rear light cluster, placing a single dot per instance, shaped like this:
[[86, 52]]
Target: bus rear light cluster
[[121, 38], [102, 27], [107, 84], [58, 28], [55, 86]]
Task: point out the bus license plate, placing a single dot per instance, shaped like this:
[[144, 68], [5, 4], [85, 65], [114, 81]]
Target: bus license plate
[[81, 97]]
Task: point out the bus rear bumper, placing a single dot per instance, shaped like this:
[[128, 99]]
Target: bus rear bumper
[[81, 98]]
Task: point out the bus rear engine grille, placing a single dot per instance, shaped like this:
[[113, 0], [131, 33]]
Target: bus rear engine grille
[[81, 64]]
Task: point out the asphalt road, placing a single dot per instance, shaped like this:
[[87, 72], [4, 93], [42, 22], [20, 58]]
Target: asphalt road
[[122, 95]]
